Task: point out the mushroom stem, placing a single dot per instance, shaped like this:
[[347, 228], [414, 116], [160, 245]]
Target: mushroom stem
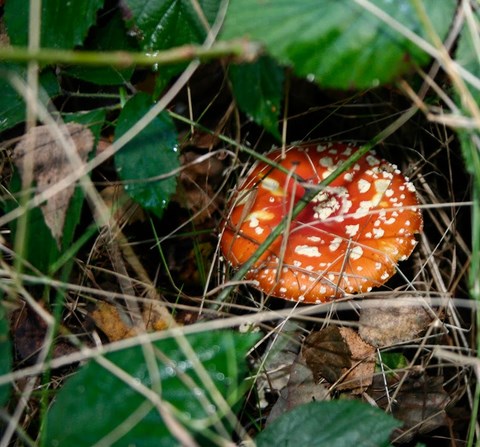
[[310, 193]]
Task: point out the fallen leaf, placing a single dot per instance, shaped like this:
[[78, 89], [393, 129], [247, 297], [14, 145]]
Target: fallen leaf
[[360, 376], [420, 403], [327, 354], [116, 326], [340, 356], [29, 331], [50, 165], [301, 389], [392, 323], [108, 319], [276, 363]]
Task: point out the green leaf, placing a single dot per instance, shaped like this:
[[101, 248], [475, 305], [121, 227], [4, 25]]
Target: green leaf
[[12, 105], [392, 361], [258, 90], [163, 24], [64, 24], [96, 391], [111, 36], [152, 153], [170, 23], [337, 42], [5, 354], [467, 56], [334, 424]]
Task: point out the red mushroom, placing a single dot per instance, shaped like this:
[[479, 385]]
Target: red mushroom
[[347, 240]]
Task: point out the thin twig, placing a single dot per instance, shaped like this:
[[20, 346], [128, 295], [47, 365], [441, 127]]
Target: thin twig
[[241, 49]]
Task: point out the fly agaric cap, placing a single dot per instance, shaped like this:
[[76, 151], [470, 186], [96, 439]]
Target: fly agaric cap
[[348, 239]]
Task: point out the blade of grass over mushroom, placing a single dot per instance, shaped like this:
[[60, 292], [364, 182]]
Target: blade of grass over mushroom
[[360, 50], [310, 193], [152, 153], [348, 239]]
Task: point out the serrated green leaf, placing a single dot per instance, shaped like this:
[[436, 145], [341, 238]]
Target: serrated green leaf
[[152, 153], [96, 391], [170, 23], [5, 353], [467, 54], [468, 57], [12, 105], [333, 424], [258, 91], [64, 23], [337, 42]]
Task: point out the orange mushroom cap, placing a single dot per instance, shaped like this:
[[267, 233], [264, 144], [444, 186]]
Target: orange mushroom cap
[[347, 240]]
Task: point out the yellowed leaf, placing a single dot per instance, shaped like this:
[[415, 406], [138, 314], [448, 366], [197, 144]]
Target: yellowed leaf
[[110, 322]]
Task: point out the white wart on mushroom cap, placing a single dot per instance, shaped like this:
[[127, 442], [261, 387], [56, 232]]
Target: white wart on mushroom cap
[[347, 240]]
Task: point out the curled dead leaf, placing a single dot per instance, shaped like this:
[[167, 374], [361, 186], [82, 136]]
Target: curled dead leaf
[[340, 356], [327, 354]]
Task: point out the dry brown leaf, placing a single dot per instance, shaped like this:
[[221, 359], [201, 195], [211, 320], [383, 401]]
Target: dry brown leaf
[[326, 354], [420, 404], [340, 355], [360, 375], [392, 323], [29, 331], [301, 389], [50, 165]]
